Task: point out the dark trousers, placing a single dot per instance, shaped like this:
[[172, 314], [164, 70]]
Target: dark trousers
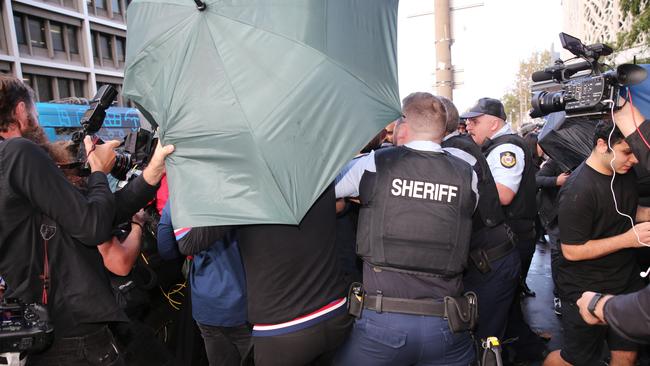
[[393, 339], [95, 349], [495, 290], [526, 250], [225, 346], [314, 346]]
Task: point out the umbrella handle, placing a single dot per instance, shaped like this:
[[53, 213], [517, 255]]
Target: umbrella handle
[[200, 5]]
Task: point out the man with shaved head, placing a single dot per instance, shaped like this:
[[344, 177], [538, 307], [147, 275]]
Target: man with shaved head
[[416, 205]]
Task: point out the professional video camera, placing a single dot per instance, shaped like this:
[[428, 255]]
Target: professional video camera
[[24, 328], [587, 94], [137, 146]]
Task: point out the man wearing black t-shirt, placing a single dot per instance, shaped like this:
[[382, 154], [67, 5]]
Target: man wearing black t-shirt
[[596, 247], [296, 293]]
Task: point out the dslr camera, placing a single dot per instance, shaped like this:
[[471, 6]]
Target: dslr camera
[[24, 327], [136, 147], [583, 88]]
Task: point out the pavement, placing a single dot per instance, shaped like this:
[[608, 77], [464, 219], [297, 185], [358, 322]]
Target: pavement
[[538, 310]]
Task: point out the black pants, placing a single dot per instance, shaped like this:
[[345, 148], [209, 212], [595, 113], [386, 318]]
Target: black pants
[[315, 345], [95, 349], [225, 346]]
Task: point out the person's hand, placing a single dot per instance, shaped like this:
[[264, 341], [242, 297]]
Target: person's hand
[[583, 303], [101, 158], [643, 230], [154, 171], [140, 217], [561, 179], [626, 116]]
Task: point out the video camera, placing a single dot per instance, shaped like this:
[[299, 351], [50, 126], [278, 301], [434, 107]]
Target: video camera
[[24, 327], [588, 94], [137, 146]]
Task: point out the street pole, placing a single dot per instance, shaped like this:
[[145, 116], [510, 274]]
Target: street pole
[[444, 71]]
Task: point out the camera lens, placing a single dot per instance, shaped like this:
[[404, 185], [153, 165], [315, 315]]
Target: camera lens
[[122, 165], [544, 103]]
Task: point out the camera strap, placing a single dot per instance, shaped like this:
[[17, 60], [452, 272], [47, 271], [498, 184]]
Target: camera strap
[[48, 229]]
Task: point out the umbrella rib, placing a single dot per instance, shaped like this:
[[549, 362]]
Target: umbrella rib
[[325, 56], [248, 124]]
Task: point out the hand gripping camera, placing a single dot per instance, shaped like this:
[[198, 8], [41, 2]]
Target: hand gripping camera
[[591, 92], [92, 122], [24, 327]]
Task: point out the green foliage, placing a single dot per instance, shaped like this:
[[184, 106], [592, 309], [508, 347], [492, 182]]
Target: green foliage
[[639, 10]]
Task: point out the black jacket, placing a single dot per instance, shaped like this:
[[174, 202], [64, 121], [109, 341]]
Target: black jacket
[[629, 315], [34, 193]]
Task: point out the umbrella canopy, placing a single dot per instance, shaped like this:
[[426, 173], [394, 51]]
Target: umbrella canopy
[[265, 100]]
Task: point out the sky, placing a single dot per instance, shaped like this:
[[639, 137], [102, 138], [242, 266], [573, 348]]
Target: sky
[[490, 37]]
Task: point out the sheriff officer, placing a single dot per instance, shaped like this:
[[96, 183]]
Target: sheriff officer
[[510, 161], [413, 236]]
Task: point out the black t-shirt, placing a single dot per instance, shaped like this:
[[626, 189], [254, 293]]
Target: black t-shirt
[[292, 270], [586, 213], [32, 187]]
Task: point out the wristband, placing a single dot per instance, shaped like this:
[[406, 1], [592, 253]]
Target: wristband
[[139, 224], [592, 304]]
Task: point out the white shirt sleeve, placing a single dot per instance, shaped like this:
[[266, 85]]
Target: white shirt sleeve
[[507, 163], [347, 182]]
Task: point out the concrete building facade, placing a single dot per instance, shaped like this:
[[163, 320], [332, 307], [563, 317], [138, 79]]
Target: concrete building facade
[[599, 21], [64, 48]]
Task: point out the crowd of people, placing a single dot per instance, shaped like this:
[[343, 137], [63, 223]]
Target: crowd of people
[[416, 254]]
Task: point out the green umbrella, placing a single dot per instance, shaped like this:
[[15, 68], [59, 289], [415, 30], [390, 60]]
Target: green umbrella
[[265, 100]]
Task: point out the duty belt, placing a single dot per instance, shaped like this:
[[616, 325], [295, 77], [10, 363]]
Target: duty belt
[[499, 251], [380, 303], [483, 257]]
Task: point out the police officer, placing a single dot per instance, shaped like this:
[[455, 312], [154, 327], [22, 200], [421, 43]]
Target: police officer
[[493, 273], [510, 161], [413, 236]]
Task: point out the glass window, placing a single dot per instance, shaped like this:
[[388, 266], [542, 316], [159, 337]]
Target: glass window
[[64, 88], [72, 39], [20, 29], [37, 32], [100, 4], [105, 44], [116, 6], [44, 85], [56, 31], [78, 88], [120, 48], [95, 44]]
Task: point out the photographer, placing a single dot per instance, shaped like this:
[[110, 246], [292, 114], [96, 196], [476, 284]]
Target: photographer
[[627, 314], [49, 232]]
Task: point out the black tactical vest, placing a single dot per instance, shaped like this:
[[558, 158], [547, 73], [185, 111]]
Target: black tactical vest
[[521, 212], [416, 212], [489, 210]]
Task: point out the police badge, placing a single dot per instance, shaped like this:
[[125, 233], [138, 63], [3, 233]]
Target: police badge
[[508, 159]]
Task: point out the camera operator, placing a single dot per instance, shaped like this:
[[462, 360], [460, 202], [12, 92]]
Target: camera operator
[[626, 314], [49, 232], [596, 245]]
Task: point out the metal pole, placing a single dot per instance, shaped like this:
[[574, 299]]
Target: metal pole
[[444, 71]]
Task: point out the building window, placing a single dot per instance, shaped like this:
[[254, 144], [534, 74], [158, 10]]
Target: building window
[[111, 9], [121, 49], [73, 42], [49, 88], [36, 32], [56, 32], [46, 38], [105, 46], [108, 50], [20, 29], [117, 9]]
